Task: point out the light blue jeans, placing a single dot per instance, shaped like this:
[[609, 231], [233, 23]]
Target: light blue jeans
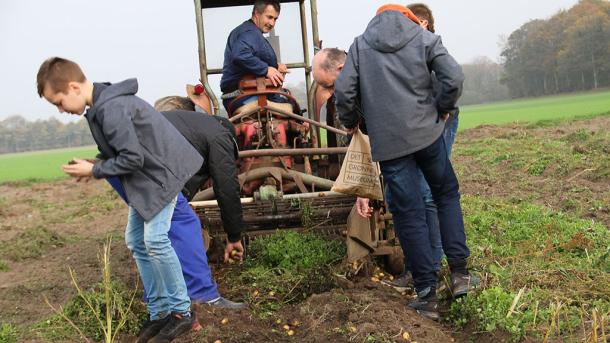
[[157, 262]]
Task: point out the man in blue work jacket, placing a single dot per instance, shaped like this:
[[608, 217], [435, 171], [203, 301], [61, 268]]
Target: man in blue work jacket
[[248, 52]]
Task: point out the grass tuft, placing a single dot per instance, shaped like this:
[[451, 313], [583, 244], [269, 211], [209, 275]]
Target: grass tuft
[[287, 267], [32, 243]]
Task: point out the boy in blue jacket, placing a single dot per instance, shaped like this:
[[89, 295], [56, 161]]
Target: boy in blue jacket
[[153, 161]]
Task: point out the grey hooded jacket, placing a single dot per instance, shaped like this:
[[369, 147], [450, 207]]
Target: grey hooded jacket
[[137, 144], [387, 80]]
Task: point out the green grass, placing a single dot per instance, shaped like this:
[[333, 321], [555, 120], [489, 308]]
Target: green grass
[[536, 109], [287, 267], [31, 243], [555, 258], [8, 333], [40, 165]]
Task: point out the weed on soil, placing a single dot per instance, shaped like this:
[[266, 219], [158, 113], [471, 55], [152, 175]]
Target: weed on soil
[[31, 243], [287, 267], [543, 273]]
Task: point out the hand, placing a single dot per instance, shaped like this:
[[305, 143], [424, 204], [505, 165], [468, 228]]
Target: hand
[[80, 168], [445, 117], [352, 131], [234, 251], [362, 207], [283, 69], [275, 76]]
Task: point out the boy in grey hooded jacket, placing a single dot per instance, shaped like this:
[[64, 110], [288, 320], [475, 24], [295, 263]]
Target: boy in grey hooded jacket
[[153, 162], [388, 72]]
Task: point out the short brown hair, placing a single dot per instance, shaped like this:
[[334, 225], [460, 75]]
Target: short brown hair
[[423, 12], [261, 5], [57, 72]]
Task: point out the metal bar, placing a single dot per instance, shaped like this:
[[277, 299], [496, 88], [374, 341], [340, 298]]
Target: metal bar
[[310, 121], [297, 65], [214, 203], [317, 44], [285, 219], [236, 117], [203, 68], [292, 152], [214, 71], [314, 195], [326, 195]]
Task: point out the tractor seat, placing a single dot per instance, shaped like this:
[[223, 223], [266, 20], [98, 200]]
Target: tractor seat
[[260, 87]]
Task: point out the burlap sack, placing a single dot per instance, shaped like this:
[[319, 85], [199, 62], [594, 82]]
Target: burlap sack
[[359, 174]]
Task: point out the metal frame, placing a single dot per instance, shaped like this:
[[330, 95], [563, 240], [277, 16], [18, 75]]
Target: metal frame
[[305, 64]]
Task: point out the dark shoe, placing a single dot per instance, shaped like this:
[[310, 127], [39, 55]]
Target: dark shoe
[[177, 326], [462, 283], [226, 303], [426, 304], [402, 283], [151, 328]]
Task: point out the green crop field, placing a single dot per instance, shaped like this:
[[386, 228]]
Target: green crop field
[[40, 165], [536, 109]]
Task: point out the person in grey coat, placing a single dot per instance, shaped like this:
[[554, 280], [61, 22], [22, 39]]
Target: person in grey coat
[[153, 162], [387, 80]]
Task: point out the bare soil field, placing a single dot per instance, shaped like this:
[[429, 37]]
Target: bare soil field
[[46, 228]]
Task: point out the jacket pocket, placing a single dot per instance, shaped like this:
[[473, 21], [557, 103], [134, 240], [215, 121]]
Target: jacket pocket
[[152, 178]]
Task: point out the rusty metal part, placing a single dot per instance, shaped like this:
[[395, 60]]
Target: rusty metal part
[[319, 212], [259, 173], [213, 203], [310, 121], [292, 152]]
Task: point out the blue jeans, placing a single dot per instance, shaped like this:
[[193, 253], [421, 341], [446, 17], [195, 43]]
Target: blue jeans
[[431, 212], [157, 262], [406, 203]]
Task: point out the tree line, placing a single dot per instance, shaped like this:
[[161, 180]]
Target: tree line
[[19, 135], [568, 52]]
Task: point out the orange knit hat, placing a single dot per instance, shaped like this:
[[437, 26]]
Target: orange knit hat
[[402, 9]]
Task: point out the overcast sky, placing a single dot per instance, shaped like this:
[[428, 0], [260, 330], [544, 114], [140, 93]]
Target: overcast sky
[[156, 40]]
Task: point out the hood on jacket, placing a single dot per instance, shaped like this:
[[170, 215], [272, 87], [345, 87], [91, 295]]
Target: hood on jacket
[[390, 31], [103, 92]]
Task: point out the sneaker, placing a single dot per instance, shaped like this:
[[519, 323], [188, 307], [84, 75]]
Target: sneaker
[[226, 303], [177, 325], [402, 283], [462, 283], [426, 304], [151, 328]]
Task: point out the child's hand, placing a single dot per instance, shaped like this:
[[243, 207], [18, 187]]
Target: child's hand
[[78, 168]]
